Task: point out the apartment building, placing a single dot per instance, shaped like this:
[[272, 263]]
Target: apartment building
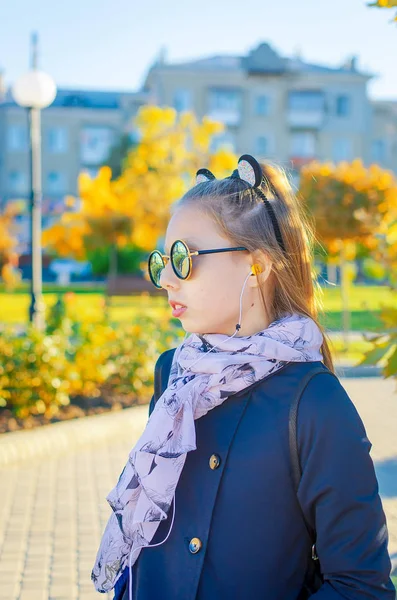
[[78, 131], [383, 143], [281, 108], [275, 107]]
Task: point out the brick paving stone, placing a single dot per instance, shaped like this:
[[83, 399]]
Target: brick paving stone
[[9, 590], [54, 506], [33, 595], [32, 584], [376, 402]]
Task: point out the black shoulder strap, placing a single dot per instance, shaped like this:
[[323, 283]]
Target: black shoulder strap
[[161, 372], [293, 438]]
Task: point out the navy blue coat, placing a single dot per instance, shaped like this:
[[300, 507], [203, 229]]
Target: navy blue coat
[[246, 514]]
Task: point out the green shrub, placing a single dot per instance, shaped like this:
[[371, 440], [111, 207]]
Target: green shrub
[[41, 371]]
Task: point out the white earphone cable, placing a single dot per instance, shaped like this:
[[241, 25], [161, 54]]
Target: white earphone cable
[[238, 326], [148, 546]]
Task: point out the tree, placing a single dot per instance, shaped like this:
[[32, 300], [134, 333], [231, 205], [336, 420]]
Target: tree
[[350, 203], [103, 218], [134, 208], [162, 167], [129, 260], [118, 154], [385, 4], [384, 345], [8, 245]]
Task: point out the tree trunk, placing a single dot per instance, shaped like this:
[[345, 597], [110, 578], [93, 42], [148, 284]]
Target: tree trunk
[[344, 286], [113, 262], [331, 273], [112, 274]]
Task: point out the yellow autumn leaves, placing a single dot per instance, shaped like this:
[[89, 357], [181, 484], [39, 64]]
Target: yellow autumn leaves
[[385, 4], [135, 207], [40, 372], [8, 244], [353, 205], [350, 202]]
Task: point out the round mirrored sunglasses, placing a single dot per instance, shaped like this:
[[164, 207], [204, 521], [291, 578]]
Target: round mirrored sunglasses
[[181, 260]]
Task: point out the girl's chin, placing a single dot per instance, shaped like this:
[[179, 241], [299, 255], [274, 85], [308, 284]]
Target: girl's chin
[[202, 330], [189, 326]]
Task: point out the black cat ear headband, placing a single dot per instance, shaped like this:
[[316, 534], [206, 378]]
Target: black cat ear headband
[[250, 171]]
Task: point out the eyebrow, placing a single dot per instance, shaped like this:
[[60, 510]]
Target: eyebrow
[[191, 243]]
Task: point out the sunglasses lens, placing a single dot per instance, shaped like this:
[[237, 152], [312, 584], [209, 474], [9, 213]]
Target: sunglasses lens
[[180, 259], [155, 265]]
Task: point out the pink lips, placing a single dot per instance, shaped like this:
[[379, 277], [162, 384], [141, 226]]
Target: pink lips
[[177, 312]]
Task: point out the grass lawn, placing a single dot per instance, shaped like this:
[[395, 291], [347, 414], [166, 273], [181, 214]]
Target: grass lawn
[[353, 352], [365, 304], [14, 307]]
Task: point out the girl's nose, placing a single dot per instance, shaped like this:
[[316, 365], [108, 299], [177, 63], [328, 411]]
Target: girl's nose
[[168, 279]]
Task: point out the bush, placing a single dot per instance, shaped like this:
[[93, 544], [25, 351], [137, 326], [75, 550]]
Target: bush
[[128, 261], [40, 372]]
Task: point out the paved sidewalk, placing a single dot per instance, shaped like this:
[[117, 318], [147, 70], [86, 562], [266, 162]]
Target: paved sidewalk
[[53, 510]]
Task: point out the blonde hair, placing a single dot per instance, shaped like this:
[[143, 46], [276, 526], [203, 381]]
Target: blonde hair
[[243, 218]]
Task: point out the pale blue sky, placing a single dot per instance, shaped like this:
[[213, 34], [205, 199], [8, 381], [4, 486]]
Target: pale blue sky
[[109, 45]]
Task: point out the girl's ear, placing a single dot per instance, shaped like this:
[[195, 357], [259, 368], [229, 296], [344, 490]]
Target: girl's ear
[[260, 272], [204, 175]]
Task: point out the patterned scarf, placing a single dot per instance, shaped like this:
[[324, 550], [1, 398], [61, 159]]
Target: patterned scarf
[[197, 383]]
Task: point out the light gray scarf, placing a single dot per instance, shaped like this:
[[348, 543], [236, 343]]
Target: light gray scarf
[[197, 383]]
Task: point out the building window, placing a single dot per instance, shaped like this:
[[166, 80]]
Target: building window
[[306, 109], [262, 105], [262, 145], [55, 183], [92, 172], [96, 143], [378, 151], [225, 141], [225, 105], [17, 182], [303, 144], [182, 100], [57, 140], [342, 150], [306, 101], [343, 105], [17, 138]]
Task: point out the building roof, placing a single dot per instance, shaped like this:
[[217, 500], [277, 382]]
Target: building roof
[[263, 59], [223, 63], [94, 99], [385, 106]]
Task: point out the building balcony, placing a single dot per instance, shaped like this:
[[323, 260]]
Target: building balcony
[[309, 119], [226, 116]]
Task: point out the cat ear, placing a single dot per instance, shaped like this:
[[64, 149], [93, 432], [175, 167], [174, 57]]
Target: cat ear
[[250, 170], [204, 175]]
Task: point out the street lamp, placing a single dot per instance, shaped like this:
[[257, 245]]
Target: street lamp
[[35, 90]]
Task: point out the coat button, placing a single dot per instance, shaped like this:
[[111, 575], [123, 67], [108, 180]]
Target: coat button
[[215, 461], [195, 545]]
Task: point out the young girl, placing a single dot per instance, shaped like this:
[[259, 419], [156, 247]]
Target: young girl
[[229, 494]]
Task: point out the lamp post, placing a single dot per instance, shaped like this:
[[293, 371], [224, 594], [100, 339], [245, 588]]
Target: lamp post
[[35, 90]]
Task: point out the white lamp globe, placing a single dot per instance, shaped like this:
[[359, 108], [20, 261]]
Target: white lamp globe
[[35, 89]]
